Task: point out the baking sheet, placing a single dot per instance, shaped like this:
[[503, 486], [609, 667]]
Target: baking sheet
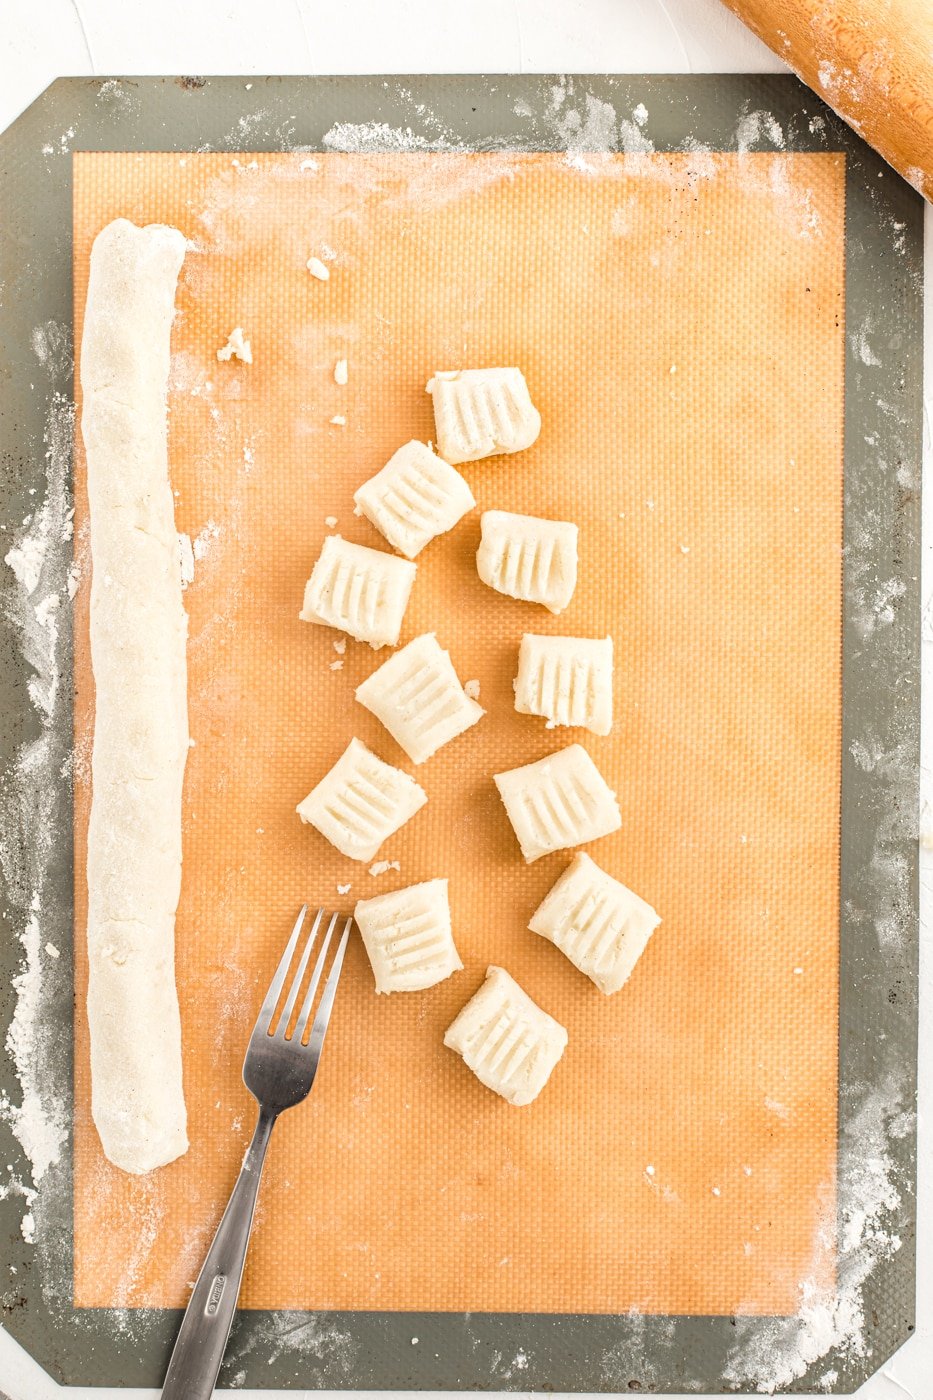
[[835, 1337], [679, 321]]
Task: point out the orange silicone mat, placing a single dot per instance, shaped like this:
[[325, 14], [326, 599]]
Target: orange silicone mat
[[679, 319]]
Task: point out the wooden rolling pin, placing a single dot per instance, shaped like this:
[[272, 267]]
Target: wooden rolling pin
[[870, 60]]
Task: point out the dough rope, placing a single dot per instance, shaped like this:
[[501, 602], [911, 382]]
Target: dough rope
[[138, 637]]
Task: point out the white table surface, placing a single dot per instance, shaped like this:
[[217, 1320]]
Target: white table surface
[[46, 39]]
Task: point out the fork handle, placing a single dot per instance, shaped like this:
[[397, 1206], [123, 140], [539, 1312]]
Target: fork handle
[[205, 1327]]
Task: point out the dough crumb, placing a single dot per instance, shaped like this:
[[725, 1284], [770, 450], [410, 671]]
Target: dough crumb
[[309, 165], [237, 345], [318, 269], [52, 950], [341, 372], [685, 549], [716, 1191], [339, 420], [330, 521], [344, 889], [340, 645], [337, 665], [640, 114], [381, 866], [471, 688]]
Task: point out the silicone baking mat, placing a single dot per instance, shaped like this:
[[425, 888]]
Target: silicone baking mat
[[679, 319], [715, 448]]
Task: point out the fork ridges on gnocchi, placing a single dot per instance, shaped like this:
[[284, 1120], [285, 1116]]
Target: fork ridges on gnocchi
[[408, 938], [528, 558], [482, 412], [560, 801], [358, 590], [597, 922], [360, 802], [567, 680], [415, 497], [418, 697], [506, 1039]]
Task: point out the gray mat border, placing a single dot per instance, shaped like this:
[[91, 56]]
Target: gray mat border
[[879, 930]]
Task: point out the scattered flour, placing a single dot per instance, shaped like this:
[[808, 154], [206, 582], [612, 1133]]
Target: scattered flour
[[860, 343], [771, 1355], [30, 800], [755, 128], [204, 539], [378, 136]]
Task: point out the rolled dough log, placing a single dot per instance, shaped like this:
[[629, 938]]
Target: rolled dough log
[[138, 635]]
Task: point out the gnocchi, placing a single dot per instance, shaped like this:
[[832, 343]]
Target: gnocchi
[[602, 927], [361, 802], [482, 412], [418, 697], [560, 801], [505, 1038], [568, 680], [528, 558], [415, 497], [359, 590], [408, 937]]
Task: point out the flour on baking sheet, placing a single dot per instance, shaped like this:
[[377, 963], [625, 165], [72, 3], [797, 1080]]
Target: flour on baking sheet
[[771, 1354], [39, 558]]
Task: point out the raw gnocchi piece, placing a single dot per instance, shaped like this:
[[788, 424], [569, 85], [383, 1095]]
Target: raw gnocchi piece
[[361, 802], [481, 412], [509, 1043], [560, 801], [415, 496], [601, 926], [528, 558], [568, 680], [359, 590], [418, 697], [408, 938]]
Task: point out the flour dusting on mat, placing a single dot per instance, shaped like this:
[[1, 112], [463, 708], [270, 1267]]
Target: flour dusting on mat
[[31, 796], [771, 1354]]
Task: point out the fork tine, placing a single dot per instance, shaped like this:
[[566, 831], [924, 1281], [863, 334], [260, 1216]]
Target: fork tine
[[308, 1002], [319, 1029], [263, 1020], [295, 988]]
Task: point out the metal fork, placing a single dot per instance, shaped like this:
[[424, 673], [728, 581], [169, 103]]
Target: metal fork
[[278, 1071]]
